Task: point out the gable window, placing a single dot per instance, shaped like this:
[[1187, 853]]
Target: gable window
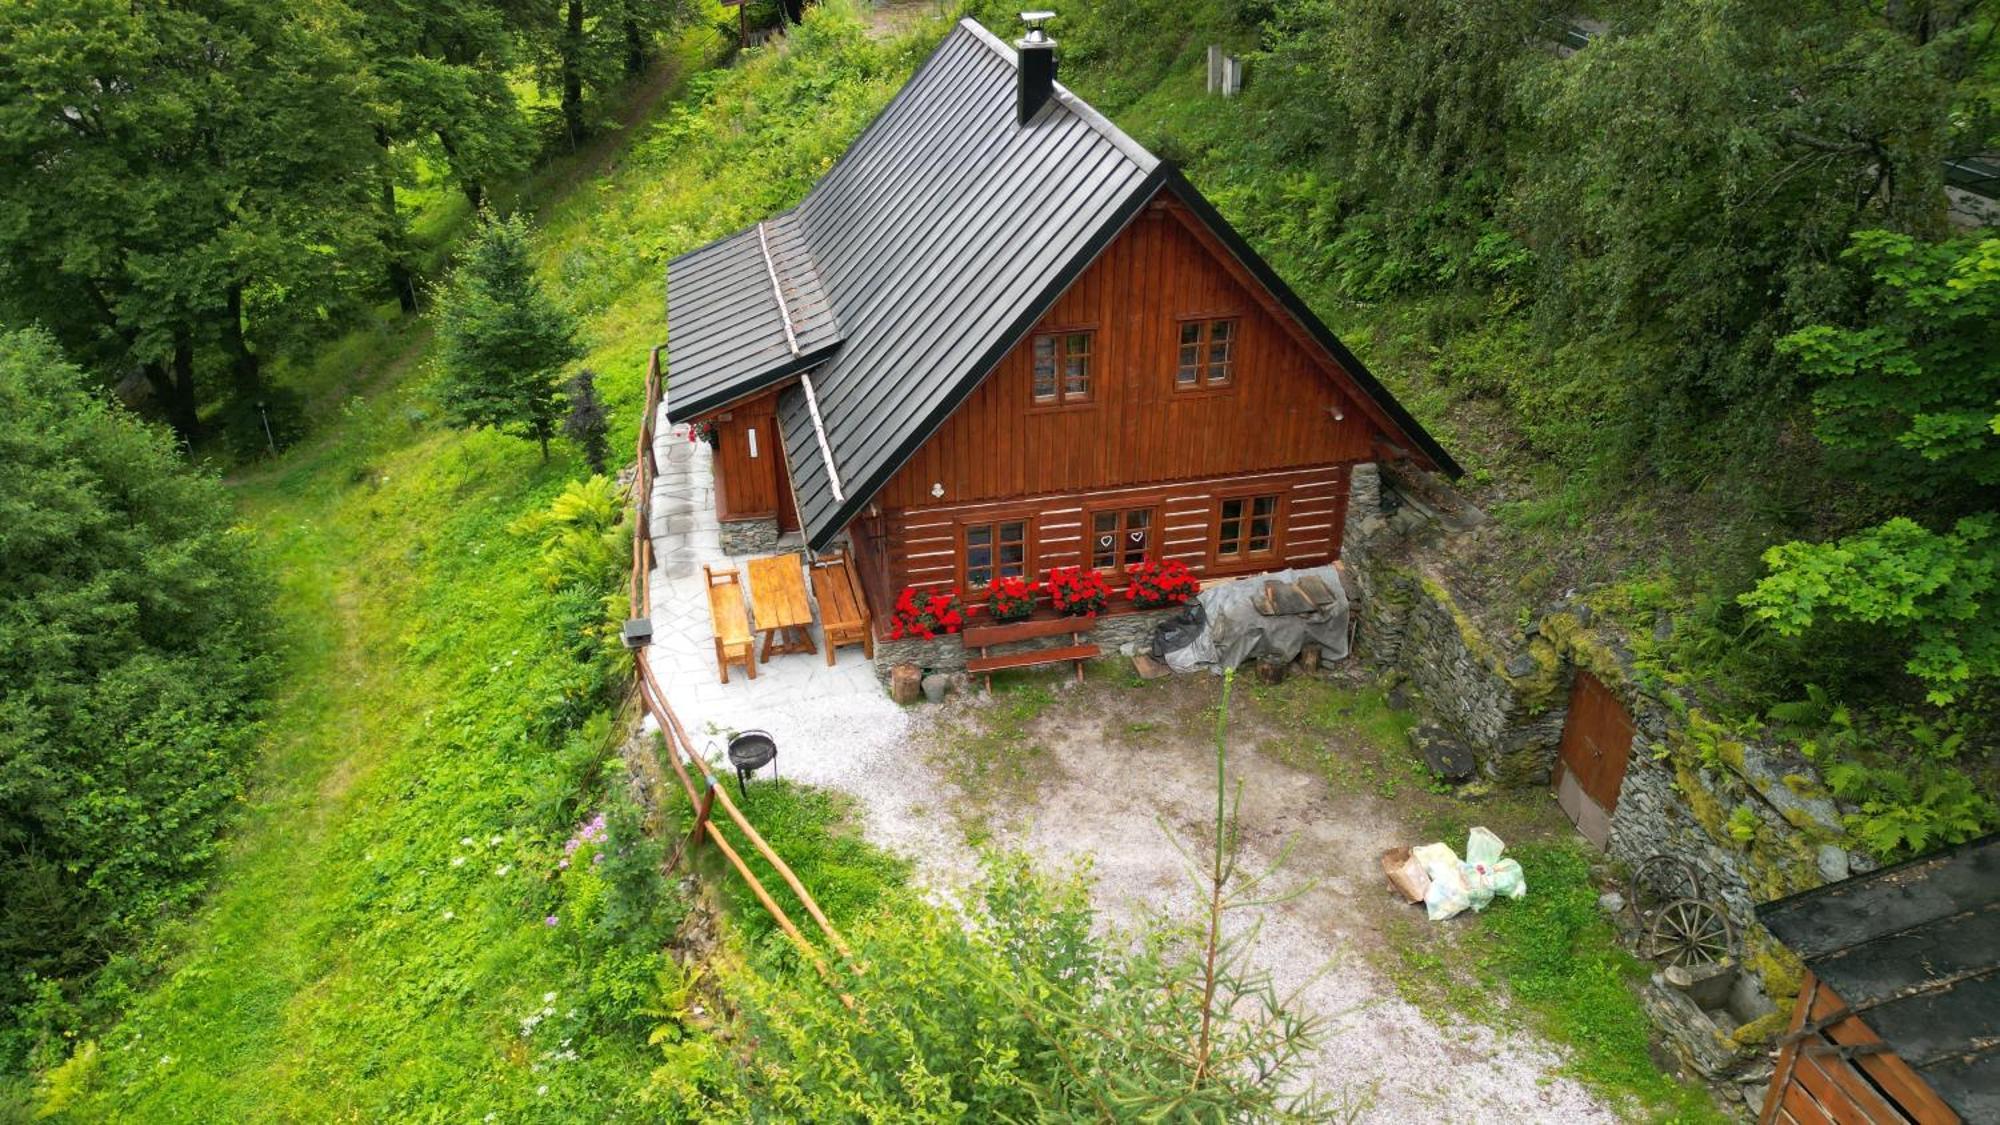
[[991, 550], [1246, 527], [1208, 355], [1062, 368], [1120, 540]]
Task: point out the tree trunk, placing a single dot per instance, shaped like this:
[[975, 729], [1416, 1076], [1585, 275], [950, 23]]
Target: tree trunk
[[246, 373], [175, 386], [475, 192], [635, 49], [401, 281], [572, 73]]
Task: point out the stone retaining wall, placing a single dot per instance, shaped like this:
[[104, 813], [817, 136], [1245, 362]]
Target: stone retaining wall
[[1750, 814]]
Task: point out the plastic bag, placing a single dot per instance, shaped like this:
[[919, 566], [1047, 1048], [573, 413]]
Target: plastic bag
[[1447, 895], [1482, 846], [1478, 884], [1507, 879]]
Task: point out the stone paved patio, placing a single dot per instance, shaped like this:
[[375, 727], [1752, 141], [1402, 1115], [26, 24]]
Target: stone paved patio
[[824, 719]]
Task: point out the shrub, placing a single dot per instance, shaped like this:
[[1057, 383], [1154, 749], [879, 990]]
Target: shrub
[[926, 615], [133, 649], [1157, 584], [1076, 592], [1012, 599]]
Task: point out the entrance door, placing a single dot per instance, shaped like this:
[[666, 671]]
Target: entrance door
[[1596, 744]]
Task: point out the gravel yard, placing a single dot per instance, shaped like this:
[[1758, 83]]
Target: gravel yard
[[1101, 773]]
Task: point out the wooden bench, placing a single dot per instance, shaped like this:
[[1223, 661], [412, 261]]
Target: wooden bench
[[986, 637], [843, 612], [731, 623]]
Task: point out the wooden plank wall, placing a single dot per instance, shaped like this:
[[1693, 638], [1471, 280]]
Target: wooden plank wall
[[1289, 407], [923, 545], [746, 487]]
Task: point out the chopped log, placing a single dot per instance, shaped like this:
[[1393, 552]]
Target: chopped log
[[906, 684]]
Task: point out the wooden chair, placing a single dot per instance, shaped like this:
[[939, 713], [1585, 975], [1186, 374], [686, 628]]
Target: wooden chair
[[843, 612], [985, 637], [731, 623]]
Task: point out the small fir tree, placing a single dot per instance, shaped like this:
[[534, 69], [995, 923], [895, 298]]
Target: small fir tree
[[501, 340], [587, 424]]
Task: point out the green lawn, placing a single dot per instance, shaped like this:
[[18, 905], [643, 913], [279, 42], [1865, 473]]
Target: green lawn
[[378, 943]]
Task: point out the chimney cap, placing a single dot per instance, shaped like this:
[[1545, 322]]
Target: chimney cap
[[1036, 36]]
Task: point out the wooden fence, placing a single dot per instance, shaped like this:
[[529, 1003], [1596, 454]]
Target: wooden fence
[[697, 778]]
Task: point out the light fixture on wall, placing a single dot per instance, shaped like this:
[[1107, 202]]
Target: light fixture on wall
[[937, 490]]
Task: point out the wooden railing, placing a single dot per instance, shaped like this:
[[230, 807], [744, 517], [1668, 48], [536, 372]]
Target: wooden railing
[[697, 779]]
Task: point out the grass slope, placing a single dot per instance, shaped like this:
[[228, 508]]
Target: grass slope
[[377, 945]]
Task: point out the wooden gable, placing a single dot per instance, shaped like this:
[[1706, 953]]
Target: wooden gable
[[1290, 405]]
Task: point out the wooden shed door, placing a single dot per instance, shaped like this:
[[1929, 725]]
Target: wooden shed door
[[1596, 743]]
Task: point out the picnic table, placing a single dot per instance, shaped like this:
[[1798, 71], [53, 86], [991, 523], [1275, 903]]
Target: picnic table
[[778, 605]]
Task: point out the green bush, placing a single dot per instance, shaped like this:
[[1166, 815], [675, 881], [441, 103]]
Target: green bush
[[133, 651]]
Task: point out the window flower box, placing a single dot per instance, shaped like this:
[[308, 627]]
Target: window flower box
[[1075, 592]]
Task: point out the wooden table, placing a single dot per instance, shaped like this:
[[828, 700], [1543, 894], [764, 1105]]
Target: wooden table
[[779, 606]]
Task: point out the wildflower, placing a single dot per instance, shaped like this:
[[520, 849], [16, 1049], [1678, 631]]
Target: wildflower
[[548, 997], [542, 1091], [458, 861], [494, 842], [448, 915], [465, 841], [552, 920], [503, 869]]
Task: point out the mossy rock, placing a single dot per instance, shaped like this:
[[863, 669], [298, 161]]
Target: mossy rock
[[1760, 1031]]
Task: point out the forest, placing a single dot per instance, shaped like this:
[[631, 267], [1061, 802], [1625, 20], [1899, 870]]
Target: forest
[[309, 683]]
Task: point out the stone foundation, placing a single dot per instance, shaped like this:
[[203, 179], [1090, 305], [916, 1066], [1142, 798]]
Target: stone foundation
[[750, 537]]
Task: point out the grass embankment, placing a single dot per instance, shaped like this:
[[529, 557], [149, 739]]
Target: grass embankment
[[394, 934]]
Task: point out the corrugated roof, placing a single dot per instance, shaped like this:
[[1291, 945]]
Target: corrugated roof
[[1914, 950], [937, 241], [730, 334]]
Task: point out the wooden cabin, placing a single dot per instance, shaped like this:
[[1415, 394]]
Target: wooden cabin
[[1000, 336], [1898, 1020]]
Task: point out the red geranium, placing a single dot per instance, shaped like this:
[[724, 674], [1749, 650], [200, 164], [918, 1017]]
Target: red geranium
[[1161, 583], [1077, 592], [925, 615], [1011, 599]]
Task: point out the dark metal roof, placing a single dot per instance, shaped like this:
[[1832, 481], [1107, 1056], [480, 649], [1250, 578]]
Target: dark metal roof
[[729, 337], [1914, 950], [938, 240]]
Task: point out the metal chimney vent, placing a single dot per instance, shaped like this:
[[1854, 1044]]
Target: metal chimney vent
[[1037, 78]]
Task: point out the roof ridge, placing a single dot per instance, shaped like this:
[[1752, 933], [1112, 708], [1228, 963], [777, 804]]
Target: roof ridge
[[1066, 98]]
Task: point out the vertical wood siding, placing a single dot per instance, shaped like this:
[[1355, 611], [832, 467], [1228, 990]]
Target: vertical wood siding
[[747, 487], [1138, 428]]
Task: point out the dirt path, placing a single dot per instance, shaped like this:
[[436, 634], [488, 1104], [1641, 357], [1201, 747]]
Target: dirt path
[[1100, 774]]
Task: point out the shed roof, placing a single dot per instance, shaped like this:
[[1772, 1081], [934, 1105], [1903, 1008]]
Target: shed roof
[[1914, 949], [936, 242]]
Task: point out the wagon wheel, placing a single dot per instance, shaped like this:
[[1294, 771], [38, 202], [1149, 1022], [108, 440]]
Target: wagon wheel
[[1661, 879], [1690, 931]]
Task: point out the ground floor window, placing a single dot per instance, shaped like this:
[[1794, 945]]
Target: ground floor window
[[992, 550], [1120, 540], [1246, 527]]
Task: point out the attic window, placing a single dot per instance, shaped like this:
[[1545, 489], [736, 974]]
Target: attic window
[[1062, 368], [1207, 355]]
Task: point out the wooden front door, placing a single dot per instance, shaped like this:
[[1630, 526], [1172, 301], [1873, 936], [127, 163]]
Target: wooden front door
[[1596, 744]]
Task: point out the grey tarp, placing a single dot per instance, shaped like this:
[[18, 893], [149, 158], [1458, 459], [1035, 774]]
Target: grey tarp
[[1238, 632]]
